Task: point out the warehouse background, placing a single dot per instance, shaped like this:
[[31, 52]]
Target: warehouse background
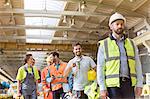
[[41, 26]]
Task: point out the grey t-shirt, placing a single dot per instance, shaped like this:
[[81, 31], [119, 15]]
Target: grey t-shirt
[[83, 64]]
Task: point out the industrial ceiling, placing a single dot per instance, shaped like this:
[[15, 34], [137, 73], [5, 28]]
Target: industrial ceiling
[[84, 21]]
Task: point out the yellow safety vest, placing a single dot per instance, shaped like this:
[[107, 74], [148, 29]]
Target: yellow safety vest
[[92, 91], [112, 58]]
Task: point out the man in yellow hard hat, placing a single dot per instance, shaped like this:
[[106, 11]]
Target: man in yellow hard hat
[[118, 64]]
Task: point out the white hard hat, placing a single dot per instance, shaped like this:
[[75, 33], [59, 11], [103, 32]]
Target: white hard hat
[[116, 16]]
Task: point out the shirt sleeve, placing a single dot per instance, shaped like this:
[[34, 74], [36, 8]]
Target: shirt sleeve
[[138, 69], [100, 68], [36, 73], [19, 74], [68, 65], [92, 63], [67, 69], [43, 76]]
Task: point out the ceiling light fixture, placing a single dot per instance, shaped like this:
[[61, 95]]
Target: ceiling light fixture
[[72, 21], [65, 34], [83, 5], [131, 0], [64, 19], [7, 3]]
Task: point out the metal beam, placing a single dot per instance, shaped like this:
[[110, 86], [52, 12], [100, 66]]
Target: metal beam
[[6, 74], [15, 48], [12, 59], [64, 39], [140, 3], [46, 27], [12, 56], [69, 13], [4, 78], [142, 38], [23, 52], [45, 37], [32, 15], [51, 12], [147, 24], [147, 45], [90, 2], [139, 25], [12, 37]]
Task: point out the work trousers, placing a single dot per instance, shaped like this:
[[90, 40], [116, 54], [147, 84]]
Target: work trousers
[[125, 91], [80, 95], [32, 96], [58, 93]]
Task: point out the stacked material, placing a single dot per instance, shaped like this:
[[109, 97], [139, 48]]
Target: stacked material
[[6, 96]]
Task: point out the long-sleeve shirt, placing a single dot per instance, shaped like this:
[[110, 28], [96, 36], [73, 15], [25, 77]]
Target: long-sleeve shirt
[[101, 64]]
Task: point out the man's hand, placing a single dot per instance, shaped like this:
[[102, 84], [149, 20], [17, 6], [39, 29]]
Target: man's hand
[[104, 94], [138, 91], [38, 93], [53, 77], [18, 94]]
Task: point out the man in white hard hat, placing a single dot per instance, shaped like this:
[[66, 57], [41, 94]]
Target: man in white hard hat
[[118, 65]]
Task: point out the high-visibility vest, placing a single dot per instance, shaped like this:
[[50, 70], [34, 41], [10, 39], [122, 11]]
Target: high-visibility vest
[[46, 86], [44, 74], [112, 58], [58, 74], [92, 90]]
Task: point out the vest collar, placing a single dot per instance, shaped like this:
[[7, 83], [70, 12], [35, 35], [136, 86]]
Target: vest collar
[[27, 66], [56, 64], [112, 37]]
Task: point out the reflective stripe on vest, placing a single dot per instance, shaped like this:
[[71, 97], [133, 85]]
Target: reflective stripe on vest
[[56, 86], [112, 58], [58, 75]]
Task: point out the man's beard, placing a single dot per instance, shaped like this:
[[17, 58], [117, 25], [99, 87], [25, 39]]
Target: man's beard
[[50, 63], [78, 53], [54, 60], [119, 31]]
